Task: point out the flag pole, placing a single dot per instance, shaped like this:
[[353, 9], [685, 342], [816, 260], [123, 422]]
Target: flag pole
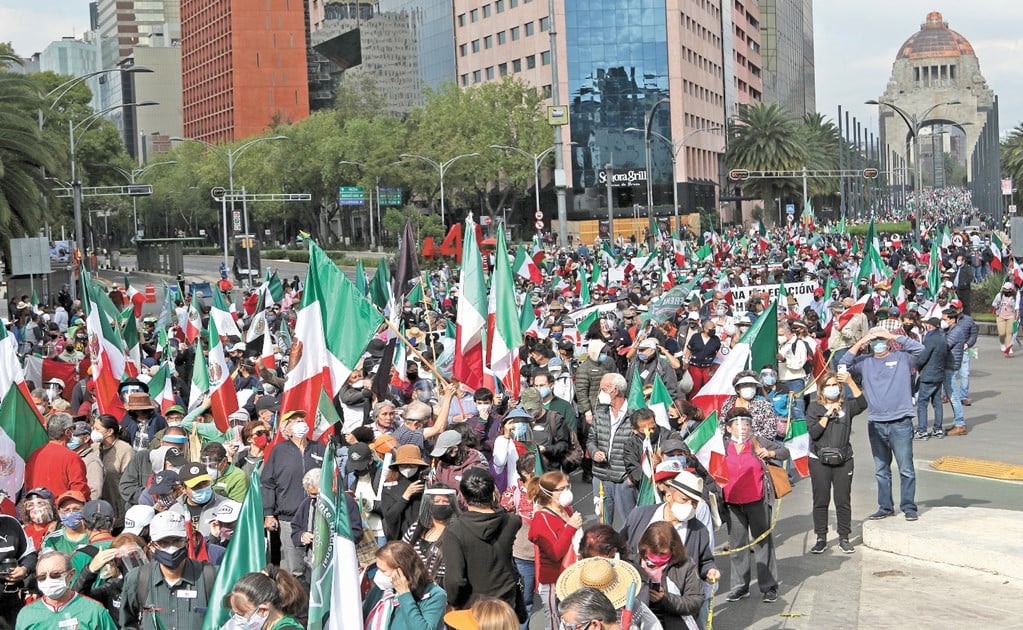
[[419, 355]]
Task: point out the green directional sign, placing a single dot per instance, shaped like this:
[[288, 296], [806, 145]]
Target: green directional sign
[[351, 196], [390, 196]]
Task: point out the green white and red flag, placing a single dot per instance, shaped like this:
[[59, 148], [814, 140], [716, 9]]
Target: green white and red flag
[[193, 327], [660, 402], [525, 267], [136, 297], [21, 425], [132, 343], [707, 442], [797, 440], [504, 359], [161, 388], [223, 397], [648, 494], [220, 312], [471, 316], [996, 252], [106, 352], [200, 381]]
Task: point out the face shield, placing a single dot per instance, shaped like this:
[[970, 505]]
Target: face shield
[[438, 504]]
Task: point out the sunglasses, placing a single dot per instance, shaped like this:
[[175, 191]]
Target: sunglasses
[[260, 433]]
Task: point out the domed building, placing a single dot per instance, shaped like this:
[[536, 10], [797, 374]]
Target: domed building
[[938, 108]]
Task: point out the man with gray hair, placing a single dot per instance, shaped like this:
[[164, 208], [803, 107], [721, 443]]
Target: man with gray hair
[[55, 466], [588, 606], [60, 606], [606, 444]]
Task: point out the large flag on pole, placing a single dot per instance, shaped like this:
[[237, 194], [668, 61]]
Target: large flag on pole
[[408, 263], [200, 383], [380, 289], [223, 397], [334, 594], [21, 426], [105, 351], [504, 361], [245, 554], [707, 442], [220, 312], [471, 318], [648, 494]]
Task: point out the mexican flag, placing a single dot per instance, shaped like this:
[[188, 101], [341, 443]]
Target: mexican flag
[[132, 344], [797, 440], [996, 252], [220, 312], [757, 348], [105, 351], [707, 442], [471, 317], [136, 297], [636, 398], [200, 379], [361, 284], [380, 292], [245, 554], [525, 267], [272, 291], [21, 426], [873, 268], [504, 356], [899, 292], [161, 388], [334, 325], [224, 398], [194, 325], [660, 401], [335, 600], [527, 317], [648, 494], [852, 311]]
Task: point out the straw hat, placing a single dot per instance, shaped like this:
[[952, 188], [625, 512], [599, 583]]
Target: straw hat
[[408, 455], [610, 577]]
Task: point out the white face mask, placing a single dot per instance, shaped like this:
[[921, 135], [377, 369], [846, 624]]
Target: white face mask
[[254, 622], [96, 437], [483, 409], [604, 398], [53, 588], [383, 581], [359, 384], [213, 472], [408, 471], [682, 511], [299, 429], [566, 498], [832, 392], [748, 392]]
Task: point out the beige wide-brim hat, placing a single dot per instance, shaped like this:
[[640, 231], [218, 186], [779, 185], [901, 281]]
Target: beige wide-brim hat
[[610, 577]]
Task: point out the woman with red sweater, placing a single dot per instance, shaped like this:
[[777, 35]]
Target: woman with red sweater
[[552, 531]]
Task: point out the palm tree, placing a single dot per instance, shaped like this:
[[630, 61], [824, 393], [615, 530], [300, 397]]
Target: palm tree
[[766, 137], [1012, 154], [821, 139], [24, 152]]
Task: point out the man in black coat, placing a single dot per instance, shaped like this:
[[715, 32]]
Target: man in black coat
[[931, 368]]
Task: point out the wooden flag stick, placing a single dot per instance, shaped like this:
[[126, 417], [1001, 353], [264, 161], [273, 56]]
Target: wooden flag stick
[[422, 359]]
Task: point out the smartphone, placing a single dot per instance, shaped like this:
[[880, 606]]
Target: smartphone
[[842, 368], [655, 586]]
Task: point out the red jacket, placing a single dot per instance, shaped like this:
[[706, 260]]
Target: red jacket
[[53, 465], [552, 536]]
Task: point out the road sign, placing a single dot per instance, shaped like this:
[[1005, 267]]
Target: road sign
[[140, 190], [266, 232], [202, 232], [1012, 208], [390, 196], [538, 215], [538, 225], [351, 196], [870, 173], [738, 174], [790, 209], [217, 192], [236, 220], [557, 114]]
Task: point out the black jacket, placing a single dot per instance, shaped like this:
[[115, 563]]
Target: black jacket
[[398, 514], [478, 557], [839, 429], [281, 477], [552, 432], [931, 362]]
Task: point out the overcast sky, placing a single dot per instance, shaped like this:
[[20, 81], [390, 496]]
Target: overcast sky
[[856, 43]]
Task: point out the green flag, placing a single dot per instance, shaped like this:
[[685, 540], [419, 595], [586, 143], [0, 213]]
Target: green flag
[[636, 398], [380, 288], [245, 554], [526, 316], [762, 338], [360, 278], [584, 287], [647, 489]]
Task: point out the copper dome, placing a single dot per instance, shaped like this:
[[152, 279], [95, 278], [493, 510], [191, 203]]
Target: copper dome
[[935, 40]]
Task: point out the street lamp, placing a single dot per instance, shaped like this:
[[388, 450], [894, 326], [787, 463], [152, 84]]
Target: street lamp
[[675, 148], [230, 155], [440, 168], [132, 177], [914, 122], [61, 90], [76, 185], [537, 158]]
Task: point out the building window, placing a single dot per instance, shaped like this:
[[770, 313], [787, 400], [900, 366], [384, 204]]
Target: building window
[[475, 45], [545, 58], [461, 19], [488, 42], [513, 3], [462, 49], [477, 76], [515, 33], [545, 24], [546, 91], [499, 6], [474, 15], [490, 73], [501, 38], [516, 65], [502, 69], [465, 80], [486, 10], [529, 29], [530, 62]]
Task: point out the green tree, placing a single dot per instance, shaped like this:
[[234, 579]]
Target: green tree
[[766, 137], [24, 153], [1012, 155]]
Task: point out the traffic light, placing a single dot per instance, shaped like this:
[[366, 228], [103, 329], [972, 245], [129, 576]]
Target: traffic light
[[870, 173], [738, 174]]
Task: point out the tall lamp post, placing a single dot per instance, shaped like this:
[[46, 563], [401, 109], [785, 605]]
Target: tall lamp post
[[132, 176], [229, 156], [537, 159], [76, 184], [441, 168], [914, 122], [675, 147], [61, 90]]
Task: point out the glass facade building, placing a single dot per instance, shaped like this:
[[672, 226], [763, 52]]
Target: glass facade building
[[786, 37], [617, 65], [433, 25]]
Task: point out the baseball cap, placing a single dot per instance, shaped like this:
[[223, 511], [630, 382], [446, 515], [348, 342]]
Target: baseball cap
[[164, 482], [530, 399], [42, 493], [137, 518], [71, 495], [693, 315], [167, 524], [175, 457], [81, 428], [97, 507], [359, 457], [648, 343], [178, 409], [445, 441], [227, 512], [193, 474]]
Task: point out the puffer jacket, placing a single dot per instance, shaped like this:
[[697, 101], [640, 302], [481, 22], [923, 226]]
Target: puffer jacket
[[613, 468], [956, 338], [587, 384]]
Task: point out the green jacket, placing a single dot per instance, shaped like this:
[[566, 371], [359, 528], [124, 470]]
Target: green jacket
[[233, 484], [81, 612], [425, 614]]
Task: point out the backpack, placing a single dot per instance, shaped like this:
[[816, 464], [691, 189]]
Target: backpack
[[808, 364]]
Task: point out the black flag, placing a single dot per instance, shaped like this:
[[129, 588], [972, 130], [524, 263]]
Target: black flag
[[408, 265]]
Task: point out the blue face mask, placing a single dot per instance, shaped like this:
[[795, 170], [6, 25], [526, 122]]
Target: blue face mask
[[74, 443], [71, 520], [879, 347], [602, 358], [203, 495], [769, 379], [557, 335], [544, 391], [643, 356]]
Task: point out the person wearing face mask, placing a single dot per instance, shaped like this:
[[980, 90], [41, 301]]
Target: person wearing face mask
[[453, 458], [116, 455], [81, 444], [886, 376], [829, 423], [749, 397], [649, 359], [402, 595], [642, 422], [37, 513], [750, 499], [303, 522], [701, 350], [930, 367], [403, 491], [255, 437], [606, 443], [17, 563], [60, 606], [199, 499], [228, 480], [255, 601], [595, 364], [54, 465], [671, 583], [223, 522], [281, 480], [793, 355], [141, 423], [439, 506], [551, 434], [72, 535], [176, 585], [1007, 306], [98, 518], [356, 400], [552, 530], [544, 383]]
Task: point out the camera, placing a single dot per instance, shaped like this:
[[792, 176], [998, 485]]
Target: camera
[[7, 566]]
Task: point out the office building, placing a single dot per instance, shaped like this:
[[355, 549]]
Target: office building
[[786, 38], [75, 58]]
